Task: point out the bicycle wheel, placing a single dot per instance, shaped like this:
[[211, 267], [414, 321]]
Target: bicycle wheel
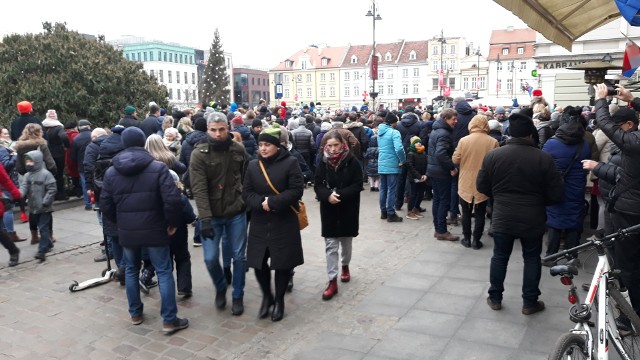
[[570, 346], [628, 324]]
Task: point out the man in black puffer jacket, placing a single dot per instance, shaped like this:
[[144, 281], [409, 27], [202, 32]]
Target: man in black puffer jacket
[[408, 126], [626, 194], [140, 194]]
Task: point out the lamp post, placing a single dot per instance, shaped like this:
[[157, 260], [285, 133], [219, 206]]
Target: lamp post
[[478, 78], [498, 72], [442, 41], [373, 13], [513, 79]]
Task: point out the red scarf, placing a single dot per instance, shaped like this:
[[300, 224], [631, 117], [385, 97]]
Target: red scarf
[[334, 160]]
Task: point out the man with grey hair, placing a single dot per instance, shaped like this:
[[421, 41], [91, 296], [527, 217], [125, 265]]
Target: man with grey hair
[[216, 171]]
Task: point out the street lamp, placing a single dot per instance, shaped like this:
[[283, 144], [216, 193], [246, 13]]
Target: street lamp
[[442, 41], [373, 13], [478, 78], [498, 73]]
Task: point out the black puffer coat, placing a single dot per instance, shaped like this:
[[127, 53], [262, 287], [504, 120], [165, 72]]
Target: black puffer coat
[[408, 126], [608, 172], [522, 180], [277, 230], [629, 144], [465, 114], [140, 196], [341, 219], [440, 150]]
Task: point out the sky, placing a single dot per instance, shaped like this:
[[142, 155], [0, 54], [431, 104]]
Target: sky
[[261, 36]]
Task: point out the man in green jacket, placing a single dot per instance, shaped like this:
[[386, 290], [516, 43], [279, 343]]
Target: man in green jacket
[[216, 171]]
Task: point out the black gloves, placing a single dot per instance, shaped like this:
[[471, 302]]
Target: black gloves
[[206, 229]]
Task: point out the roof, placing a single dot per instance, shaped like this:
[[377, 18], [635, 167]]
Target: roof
[[392, 48], [361, 52], [420, 47], [494, 50], [507, 36], [563, 21], [333, 54]]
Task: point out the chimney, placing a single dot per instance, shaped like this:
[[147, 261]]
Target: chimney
[[509, 28]]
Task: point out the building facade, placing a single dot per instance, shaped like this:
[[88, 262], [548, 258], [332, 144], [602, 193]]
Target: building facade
[[445, 55], [250, 85]]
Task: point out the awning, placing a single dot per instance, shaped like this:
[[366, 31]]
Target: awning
[[563, 21]]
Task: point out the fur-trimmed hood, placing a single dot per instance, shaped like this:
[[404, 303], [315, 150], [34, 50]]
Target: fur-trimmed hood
[[30, 143]]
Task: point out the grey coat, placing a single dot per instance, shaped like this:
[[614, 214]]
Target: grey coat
[[39, 186]]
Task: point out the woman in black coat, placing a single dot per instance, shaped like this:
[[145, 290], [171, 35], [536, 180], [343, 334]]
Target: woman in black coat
[[274, 232], [338, 184]]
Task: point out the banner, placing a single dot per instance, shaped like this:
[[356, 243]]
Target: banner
[[441, 78], [446, 90], [374, 68]]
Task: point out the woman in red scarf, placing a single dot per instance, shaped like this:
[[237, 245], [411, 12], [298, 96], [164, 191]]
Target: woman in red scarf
[[338, 183]]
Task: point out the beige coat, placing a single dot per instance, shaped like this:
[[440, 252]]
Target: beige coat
[[470, 154]]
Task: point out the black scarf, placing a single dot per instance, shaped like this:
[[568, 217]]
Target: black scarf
[[223, 145]]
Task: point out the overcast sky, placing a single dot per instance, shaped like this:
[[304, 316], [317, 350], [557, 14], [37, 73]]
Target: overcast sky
[[258, 33]]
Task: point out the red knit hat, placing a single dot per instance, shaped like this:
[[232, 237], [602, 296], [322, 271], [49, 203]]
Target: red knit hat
[[24, 107], [537, 92], [237, 120]]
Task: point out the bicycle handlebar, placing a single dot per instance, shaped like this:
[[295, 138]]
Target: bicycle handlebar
[[607, 239]]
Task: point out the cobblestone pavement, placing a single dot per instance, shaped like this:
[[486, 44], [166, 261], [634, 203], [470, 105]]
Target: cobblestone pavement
[[410, 297]]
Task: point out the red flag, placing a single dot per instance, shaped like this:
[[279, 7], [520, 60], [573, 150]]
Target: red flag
[[631, 60], [374, 68]]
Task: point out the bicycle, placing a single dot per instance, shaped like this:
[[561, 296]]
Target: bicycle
[[616, 320]]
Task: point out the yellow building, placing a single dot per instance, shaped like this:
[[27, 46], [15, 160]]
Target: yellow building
[[311, 74]]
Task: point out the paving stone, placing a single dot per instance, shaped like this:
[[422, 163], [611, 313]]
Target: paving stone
[[347, 342], [329, 353], [179, 354], [407, 345], [430, 323], [461, 287], [491, 332], [446, 303], [460, 349]]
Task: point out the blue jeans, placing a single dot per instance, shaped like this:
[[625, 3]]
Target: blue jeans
[[531, 250], [440, 203], [116, 250], [87, 199], [8, 217], [44, 226], [161, 260], [235, 229], [388, 183], [227, 250]]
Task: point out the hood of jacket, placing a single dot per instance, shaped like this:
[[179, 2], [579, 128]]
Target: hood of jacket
[[384, 128], [441, 124], [478, 124], [194, 137], [111, 145], [51, 123], [98, 141], [243, 131], [353, 124], [464, 108], [18, 145], [570, 133], [36, 156], [132, 161], [408, 119]]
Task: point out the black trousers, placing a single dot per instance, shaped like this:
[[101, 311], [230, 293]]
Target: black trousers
[[59, 176], [179, 248], [627, 256], [478, 211]]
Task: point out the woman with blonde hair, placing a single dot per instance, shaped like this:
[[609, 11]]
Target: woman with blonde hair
[[156, 147], [185, 126], [31, 139], [171, 140]]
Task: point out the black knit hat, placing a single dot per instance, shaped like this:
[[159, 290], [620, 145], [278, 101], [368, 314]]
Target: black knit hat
[[623, 115], [391, 118], [256, 122], [201, 124], [521, 125]]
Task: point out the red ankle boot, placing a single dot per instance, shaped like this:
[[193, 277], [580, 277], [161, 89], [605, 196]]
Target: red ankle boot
[[23, 217], [345, 277], [331, 290]]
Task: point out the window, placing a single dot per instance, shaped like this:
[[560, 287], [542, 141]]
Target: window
[[347, 91], [288, 63], [523, 65], [178, 77], [175, 57], [193, 78], [474, 83], [416, 88], [412, 55], [387, 56], [405, 89], [390, 89], [434, 66], [253, 81], [191, 62], [165, 56], [444, 50], [405, 73], [299, 78], [509, 65], [170, 57], [186, 80], [482, 83], [332, 91], [380, 89], [453, 49], [161, 78], [286, 78], [452, 83], [356, 90], [139, 56], [380, 74], [170, 94], [299, 92], [346, 76], [465, 83], [286, 93], [505, 51], [416, 72], [452, 65], [152, 73], [195, 97], [356, 75], [169, 75], [354, 59], [520, 50], [308, 77], [444, 65], [179, 94], [509, 84], [309, 92], [498, 66], [390, 74], [150, 55], [323, 91], [303, 65], [499, 85], [325, 61], [322, 77], [159, 55], [186, 95], [434, 85], [332, 77], [435, 50]]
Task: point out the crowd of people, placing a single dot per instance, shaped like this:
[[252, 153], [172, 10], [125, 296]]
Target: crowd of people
[[525, 169]]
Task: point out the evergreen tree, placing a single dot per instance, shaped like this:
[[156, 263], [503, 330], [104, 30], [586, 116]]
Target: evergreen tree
[[78, 77], [216, 79]]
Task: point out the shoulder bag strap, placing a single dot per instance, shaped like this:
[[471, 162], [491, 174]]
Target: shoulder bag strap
[[264, 172]]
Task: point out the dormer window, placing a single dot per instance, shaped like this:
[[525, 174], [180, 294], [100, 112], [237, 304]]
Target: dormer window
[[325, 61], [288, 63], [412, 55], [387, 56], [354, 59], [303, 64]]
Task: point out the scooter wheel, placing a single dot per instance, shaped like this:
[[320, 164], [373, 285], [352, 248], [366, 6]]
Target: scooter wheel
[[104, 272], [73, 286]]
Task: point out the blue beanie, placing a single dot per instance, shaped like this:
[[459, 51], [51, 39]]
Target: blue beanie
[[133, 136]]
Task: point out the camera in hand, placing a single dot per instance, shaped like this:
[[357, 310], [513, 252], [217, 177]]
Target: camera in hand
[[611, 89]]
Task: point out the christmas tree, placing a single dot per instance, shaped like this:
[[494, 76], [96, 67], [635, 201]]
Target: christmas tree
[[216, 79]]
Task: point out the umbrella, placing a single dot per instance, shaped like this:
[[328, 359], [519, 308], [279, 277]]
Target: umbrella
[[562, 22]]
